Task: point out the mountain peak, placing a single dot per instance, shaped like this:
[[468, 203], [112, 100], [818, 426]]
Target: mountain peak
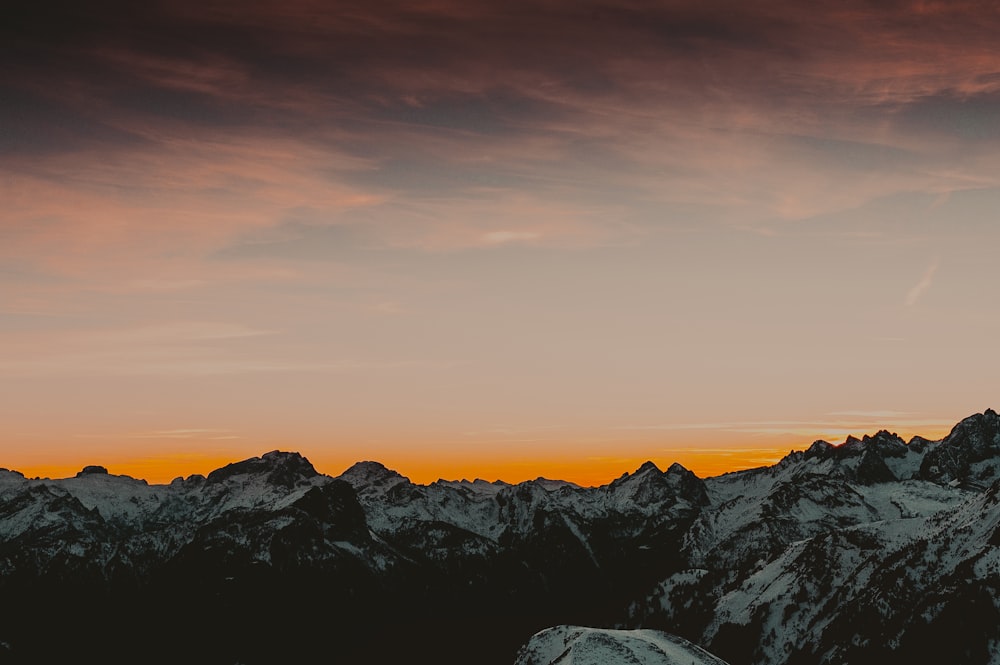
[[852, 444], [647, 467], [974, 439], [677, 467], [92, 470], [281, 468], [368, 473], [819, 448]]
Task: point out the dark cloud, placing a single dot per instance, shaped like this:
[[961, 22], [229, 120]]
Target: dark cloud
[[494, 112], [46, 124], [350, 72], [847, 155], [331, 42], [972, 118]]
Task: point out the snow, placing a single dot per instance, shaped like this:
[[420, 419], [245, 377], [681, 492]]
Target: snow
[[577, 645], [782, 548], [907, 466], [115, 497], [477, 486]]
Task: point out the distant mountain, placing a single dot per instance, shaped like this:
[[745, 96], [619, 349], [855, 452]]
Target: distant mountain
[[876, 549]]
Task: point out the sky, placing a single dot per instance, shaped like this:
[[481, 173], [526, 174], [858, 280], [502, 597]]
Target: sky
[[492, 239]]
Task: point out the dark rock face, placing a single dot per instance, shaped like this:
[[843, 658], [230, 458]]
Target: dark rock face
[[336, 505], [687, 486], [872, 469], [820, 449], [974, 439], [886, 444]]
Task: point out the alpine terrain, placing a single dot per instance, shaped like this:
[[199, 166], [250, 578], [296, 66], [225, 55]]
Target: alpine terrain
[[873, 550]]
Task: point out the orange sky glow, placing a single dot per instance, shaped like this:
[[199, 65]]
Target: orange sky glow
[[427, 463]]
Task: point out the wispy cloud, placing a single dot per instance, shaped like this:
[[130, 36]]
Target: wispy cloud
[[845, 423], [918, 290], [502, 237], [208, 433], [199, 433], [873, 415], [181, 363], [170, 349]]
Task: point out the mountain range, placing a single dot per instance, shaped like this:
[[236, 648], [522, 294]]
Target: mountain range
[[873, 550]]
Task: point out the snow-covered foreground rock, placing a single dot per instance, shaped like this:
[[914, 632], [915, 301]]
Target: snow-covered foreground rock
[[576, 645], [874, 550]]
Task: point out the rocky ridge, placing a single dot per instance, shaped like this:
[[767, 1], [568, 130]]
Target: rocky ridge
[[876, 549]]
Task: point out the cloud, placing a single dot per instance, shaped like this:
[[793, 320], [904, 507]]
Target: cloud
[[210, 434], [852, 423], [236, 119], [503, 237], [170, 201], [918, 290], [169, 349], [874, 415]]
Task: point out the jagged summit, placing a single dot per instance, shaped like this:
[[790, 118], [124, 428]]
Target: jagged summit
[[819, 448], [884, 441], [883, 436], [677, 467], [280, 468], [646, 469], [968, 454], [648, 466], [980, 431], [649, 486]]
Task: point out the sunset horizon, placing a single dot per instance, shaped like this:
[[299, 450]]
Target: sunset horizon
[[589, 470]]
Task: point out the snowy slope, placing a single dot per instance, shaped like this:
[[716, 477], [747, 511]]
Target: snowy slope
[[393, 503], [820, 600], [576, 645], [494, 509], [756, 514], [540, 521], [97, 525]]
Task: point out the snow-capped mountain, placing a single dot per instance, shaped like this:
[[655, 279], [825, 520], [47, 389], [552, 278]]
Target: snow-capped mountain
[[873, 549]]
